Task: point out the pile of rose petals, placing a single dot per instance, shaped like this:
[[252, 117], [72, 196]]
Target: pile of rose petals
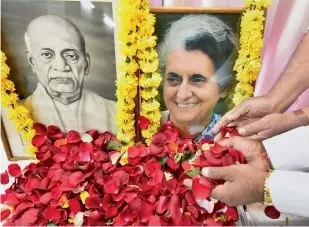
[[79, 180]]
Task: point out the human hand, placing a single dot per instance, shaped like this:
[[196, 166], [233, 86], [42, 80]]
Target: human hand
[[248, 111], [269, 126], [252, 150], [244, 184]]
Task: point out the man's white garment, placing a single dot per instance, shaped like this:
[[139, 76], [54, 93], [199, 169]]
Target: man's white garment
[[289, 183], [91, 111]]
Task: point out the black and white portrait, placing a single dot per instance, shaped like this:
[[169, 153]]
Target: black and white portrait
[[196, 56], [63, 62]]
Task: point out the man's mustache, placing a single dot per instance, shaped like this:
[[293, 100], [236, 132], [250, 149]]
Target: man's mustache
[[62, 75]]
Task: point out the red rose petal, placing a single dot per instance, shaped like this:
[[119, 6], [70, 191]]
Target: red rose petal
[[38, 140], [60, 157], [93, 133], [5, 178], [133, 152], [200, 192], [161, 205], [5, 213], [174, 209], [76, 178], [14, 170], [217, 148], [211, 158], [231, 212], [186, 166], [172, 164], [206, 182], [95, 215], [211, 222], [111, 211], [73, 137], [23, 206], [54, 132], [46, 197], [171, 136], [154, 221], [272, 212], [75, 206], [190, 198], [29, 217], [111, 187], [3, 198], [93, 202], [143, 122], [39, 128]]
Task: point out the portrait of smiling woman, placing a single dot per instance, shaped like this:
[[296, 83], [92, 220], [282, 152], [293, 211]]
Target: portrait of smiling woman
[[196, 65]]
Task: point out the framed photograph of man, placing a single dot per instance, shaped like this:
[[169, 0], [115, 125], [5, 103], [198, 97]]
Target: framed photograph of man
[[197, 50], [62, 56]]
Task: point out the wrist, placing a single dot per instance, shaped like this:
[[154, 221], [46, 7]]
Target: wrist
[[274, 103], [290, 120]]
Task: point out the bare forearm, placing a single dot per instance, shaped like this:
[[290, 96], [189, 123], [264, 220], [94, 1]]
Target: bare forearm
[[295, 78]]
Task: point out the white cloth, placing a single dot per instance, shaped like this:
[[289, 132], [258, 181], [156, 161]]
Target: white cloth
[[289, 183], [91, 111]]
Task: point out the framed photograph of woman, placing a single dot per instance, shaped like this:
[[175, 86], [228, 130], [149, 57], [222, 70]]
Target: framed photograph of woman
[[62, 56], [197, 50]]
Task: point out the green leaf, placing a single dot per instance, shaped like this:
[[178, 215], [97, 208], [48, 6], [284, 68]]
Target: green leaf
[[51, 224], [113, 146], [178, 157], [193, 172], [188, 156], [162, 160], [287, 221], [87, 138], [109, 222]]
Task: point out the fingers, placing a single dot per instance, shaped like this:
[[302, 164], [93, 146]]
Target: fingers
[[231, 116], [219, 191], [217, 137], [218, 173], [229, 142], [253, 128]]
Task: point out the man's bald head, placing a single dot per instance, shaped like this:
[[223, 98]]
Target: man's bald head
[[51, 25], [57, 55]]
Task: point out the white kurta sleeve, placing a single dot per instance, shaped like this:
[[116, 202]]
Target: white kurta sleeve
[[290, 150], [289, 191]]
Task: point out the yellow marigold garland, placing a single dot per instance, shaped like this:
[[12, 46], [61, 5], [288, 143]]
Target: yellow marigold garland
[[129, 17], [248, 64], [19, 114], [150, 79], [138, 43]]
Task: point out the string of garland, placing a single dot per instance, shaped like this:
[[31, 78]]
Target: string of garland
[[249, 60], [18, 113], [150, 79], [128, 13]]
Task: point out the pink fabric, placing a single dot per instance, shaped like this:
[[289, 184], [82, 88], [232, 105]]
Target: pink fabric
[[287, 22], [197, 3]]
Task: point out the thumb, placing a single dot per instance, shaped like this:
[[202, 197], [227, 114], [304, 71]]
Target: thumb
[[217, 173], [253, 128]]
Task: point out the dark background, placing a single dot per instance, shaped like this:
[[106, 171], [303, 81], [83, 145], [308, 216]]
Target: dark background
[[17, 14], [163, 21]]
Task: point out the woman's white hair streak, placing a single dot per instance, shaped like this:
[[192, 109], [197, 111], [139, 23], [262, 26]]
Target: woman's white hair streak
[[193, 27]]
